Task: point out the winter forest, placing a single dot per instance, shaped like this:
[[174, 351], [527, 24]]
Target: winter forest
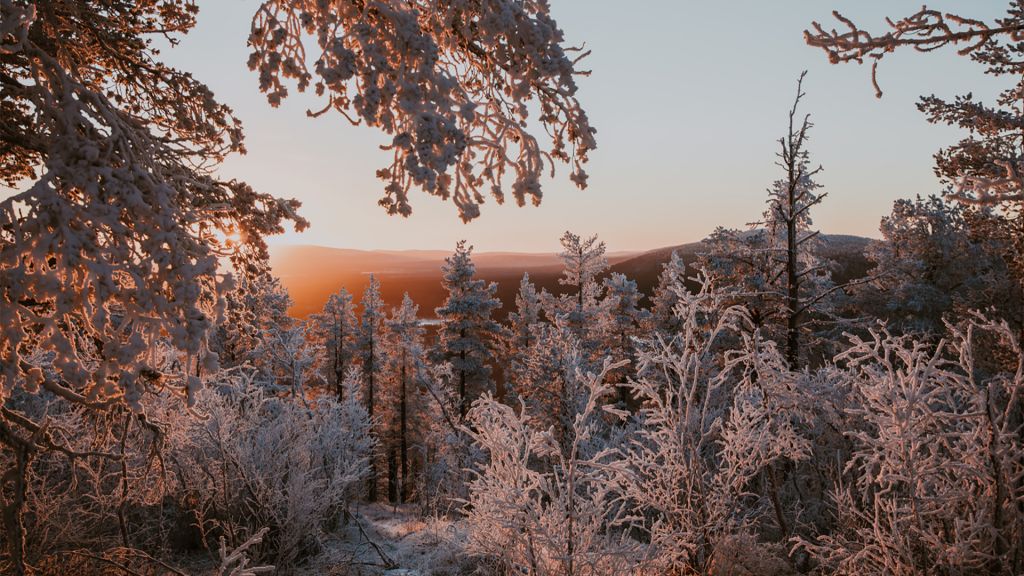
[[760, 410]]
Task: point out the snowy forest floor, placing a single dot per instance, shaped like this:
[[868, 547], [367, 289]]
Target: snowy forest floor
[[385, 540]]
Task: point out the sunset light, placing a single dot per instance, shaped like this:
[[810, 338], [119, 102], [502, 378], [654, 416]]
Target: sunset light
[[511, 288]]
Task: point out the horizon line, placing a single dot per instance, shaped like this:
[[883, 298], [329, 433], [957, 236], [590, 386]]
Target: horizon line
[[271, 243]]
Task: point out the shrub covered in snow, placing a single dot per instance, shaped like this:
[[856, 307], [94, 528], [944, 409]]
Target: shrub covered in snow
[[252, 461]]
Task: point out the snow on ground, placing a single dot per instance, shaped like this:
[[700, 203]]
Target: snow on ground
[[385, 540]]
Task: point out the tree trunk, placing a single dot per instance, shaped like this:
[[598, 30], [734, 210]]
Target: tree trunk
[[579, 310], [463, 400], [369, 370], [403, 490], [393, 489], [624, 389], [339, 361], [11, 509], [792, 274], [122, 520]]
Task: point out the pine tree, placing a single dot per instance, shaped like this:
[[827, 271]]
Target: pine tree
[[581, 309], [744, 268], [370, 348], [773, 270], [254, 304], [665, 297], [336, 330], [522, 330], [788, 219], [548, 385], [406, 373], [287, 356], [468, 335], [626, 319], [935, 260]]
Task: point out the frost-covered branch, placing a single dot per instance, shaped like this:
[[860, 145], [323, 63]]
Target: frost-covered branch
[[453, 82]]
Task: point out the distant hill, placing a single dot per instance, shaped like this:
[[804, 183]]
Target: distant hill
[[846, 251], [311, 273]]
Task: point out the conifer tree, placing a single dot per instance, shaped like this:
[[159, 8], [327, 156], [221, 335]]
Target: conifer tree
[[254, 304], [468, 335], [548, 384], [582, 309], [625, 321], [788, 220], [937, 259], [985, 168], [665, 297], [335, 329], [406, 373], [371, 351], [287, 356], [774, 270], [523, 324]]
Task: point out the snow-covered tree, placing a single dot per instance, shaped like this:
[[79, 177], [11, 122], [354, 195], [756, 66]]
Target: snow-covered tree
[[788, 220], [745, 270], [255, 329], [775, 269], [335, 330], [354, 445], [288, 356], [453, 84], [449, 455], [373, 361], [664, 299], [548, 384], [109, 241], [926, 266], [582, 309], [987, 166], [251, 460], [709, 428], [938, 458], [405, 375], [535, 508], [254, 303], [624, 322], [522, 326], [468, 336]]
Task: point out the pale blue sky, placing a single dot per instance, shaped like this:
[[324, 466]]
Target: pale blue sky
[[688, 98]]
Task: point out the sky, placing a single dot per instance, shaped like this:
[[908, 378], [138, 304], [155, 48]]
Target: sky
[[689, 99]]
